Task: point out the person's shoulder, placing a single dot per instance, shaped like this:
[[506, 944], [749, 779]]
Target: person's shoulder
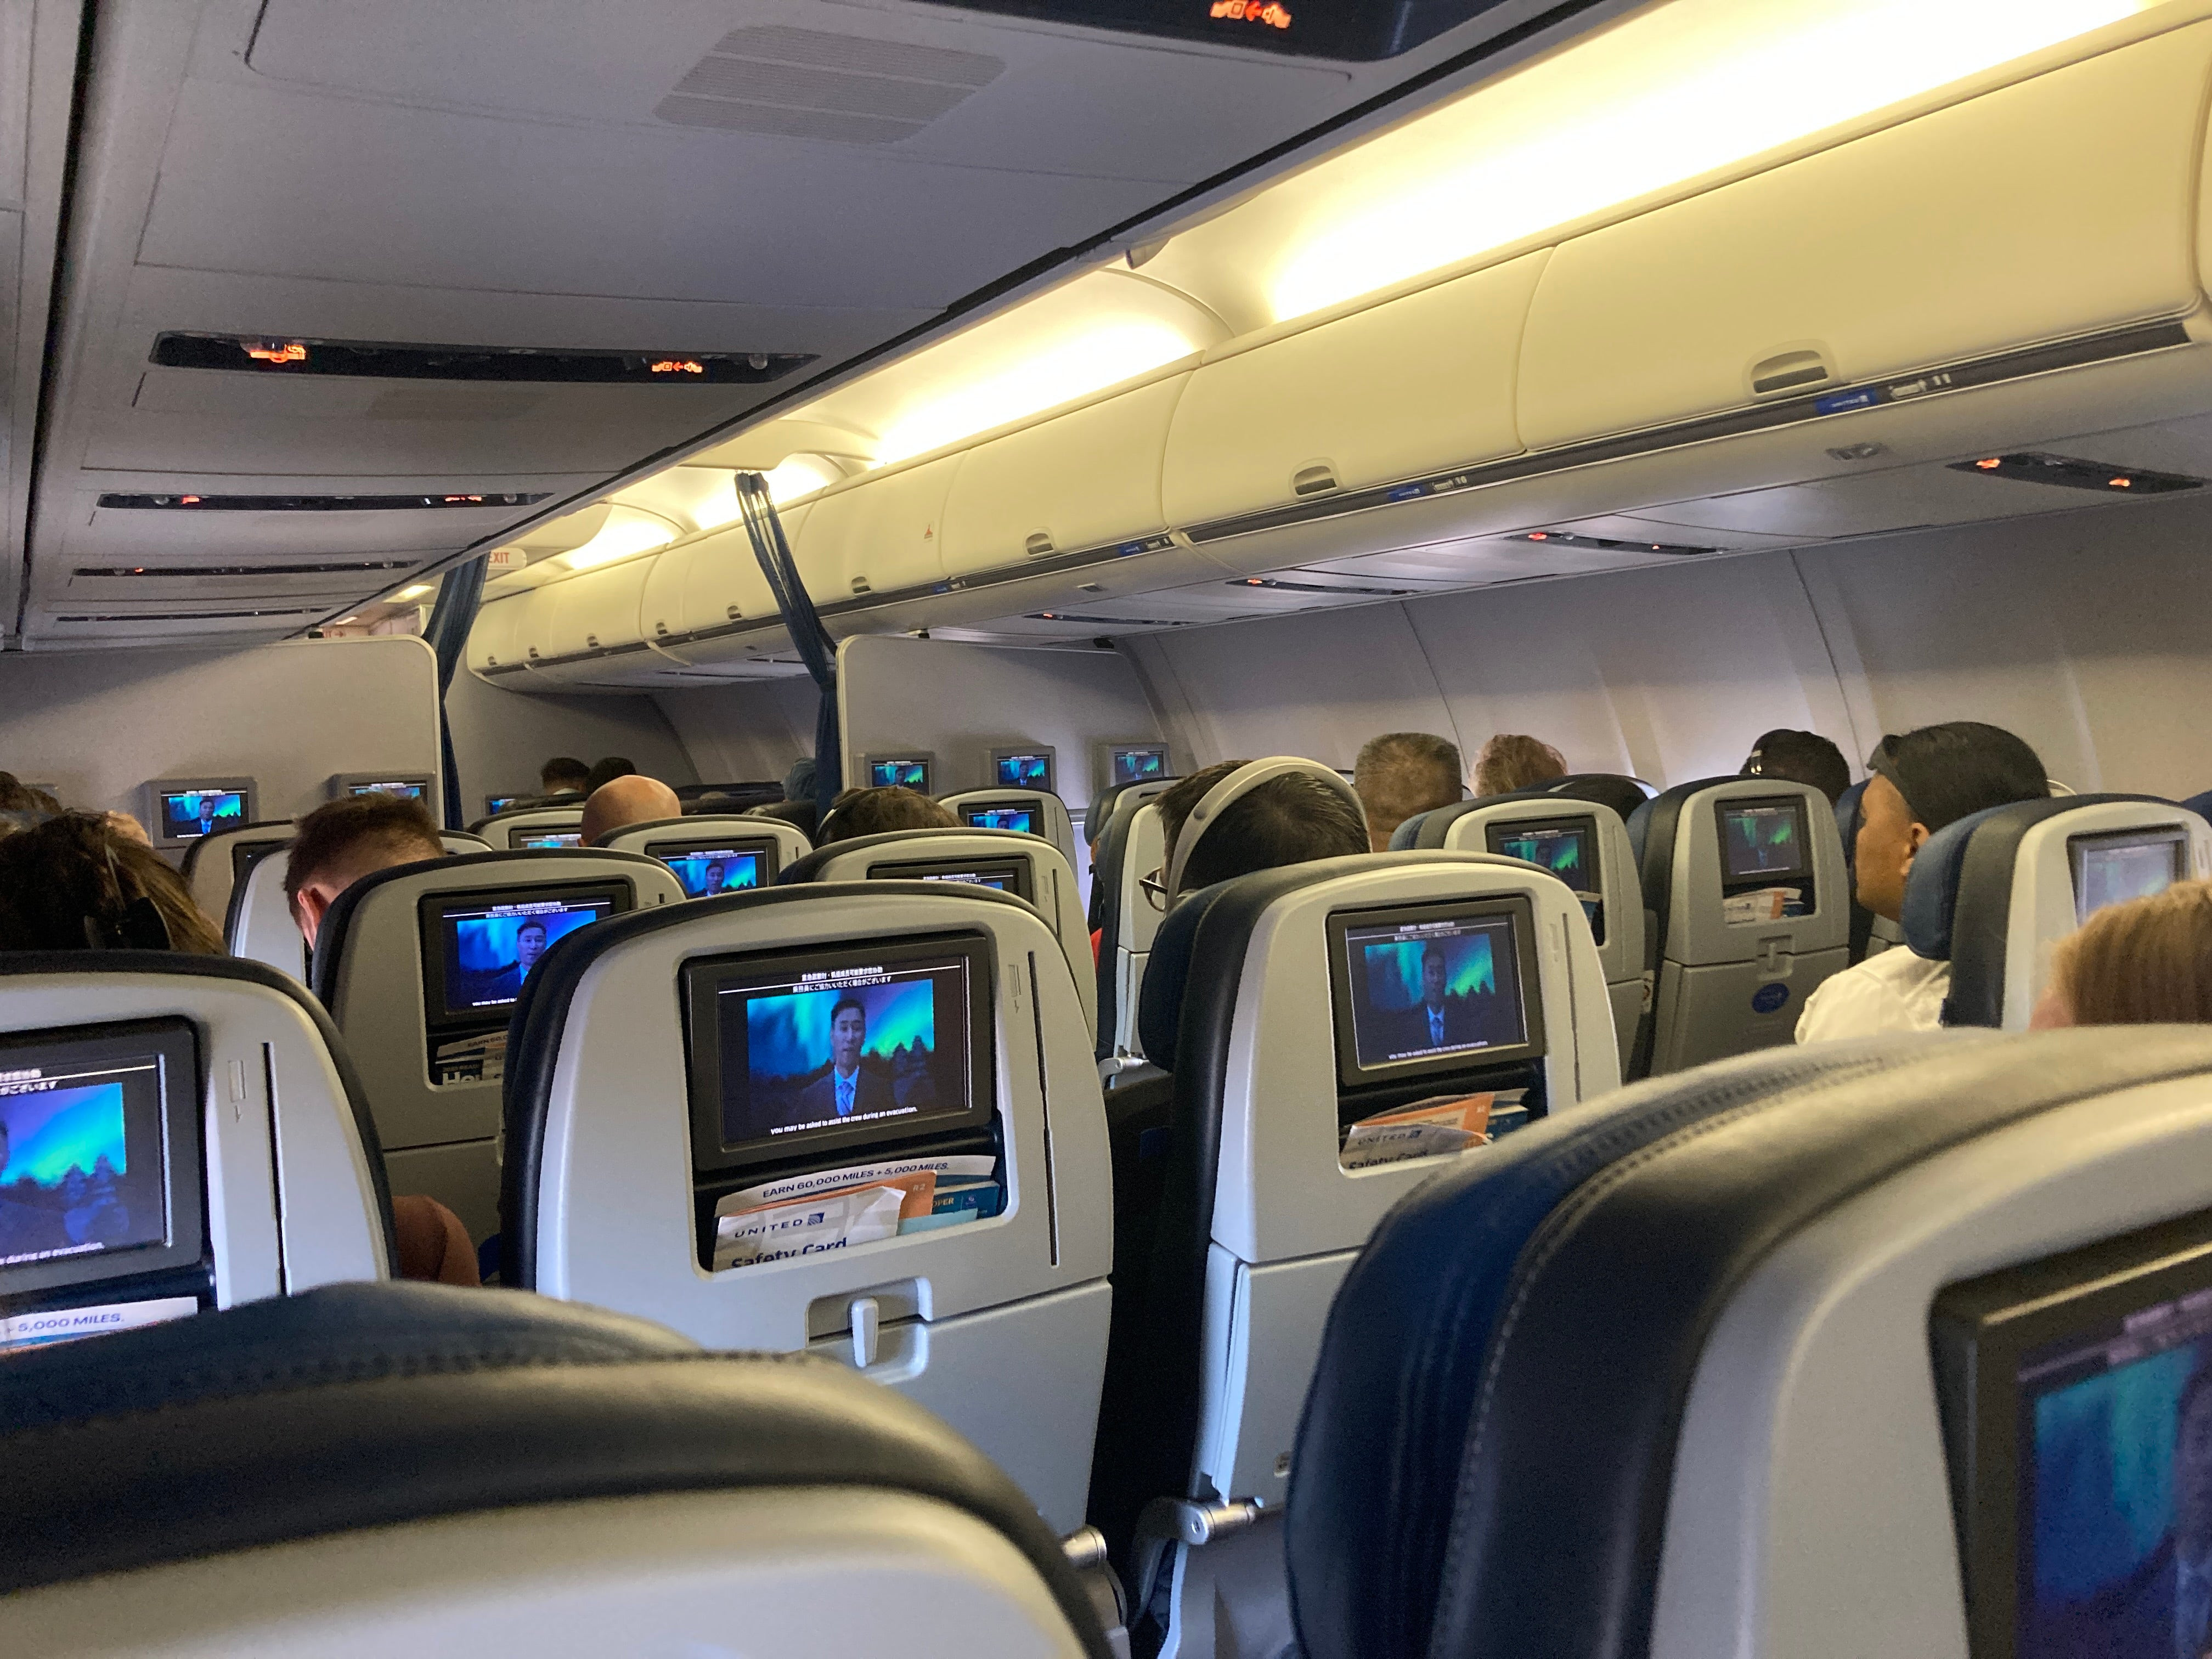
[[1876, 995]]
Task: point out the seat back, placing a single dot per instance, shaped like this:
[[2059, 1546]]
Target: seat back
[[746, 852], [421, 967], [530, 827], [1032, 811], [1744, 881], [1739, 1350], [1126, 844], [673, 1106], [177, 1132], [448, 1472], [1027, 867], [257, 923], [1993, 893], [215, 864], [1303, 1014], [1585, 844]]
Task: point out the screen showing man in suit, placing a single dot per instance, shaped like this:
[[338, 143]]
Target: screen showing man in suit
[[880, 1044], [2116, 1557], [491, 948], [188, 814], [1422, 989], [709, 870]]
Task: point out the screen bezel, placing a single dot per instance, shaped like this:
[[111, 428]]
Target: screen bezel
[[1350, 1073], [347, 784], [1012, 864], [175, 1041], [1007, 751], [1107, 751], [2078, 848], [158, 820], [1979, 1331], [703, 980], [247, 853], [968, 815], [1802, 871], [765, 848], [1584, 824], [927, 761], [429, 915], [560, 839]]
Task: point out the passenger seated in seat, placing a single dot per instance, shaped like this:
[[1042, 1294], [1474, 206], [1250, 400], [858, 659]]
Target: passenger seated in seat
[[1288, 820], [1401, 774], [564, 775], [341, 842], [800, 782], [16, 796], [627, 800], [878, 811], [2147, 961], [610, 768], [1799, 757], [74, 883], [802, 813], [1510, 761], [1922, 781]]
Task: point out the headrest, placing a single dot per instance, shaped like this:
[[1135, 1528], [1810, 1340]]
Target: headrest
[[916, 841], [1159, 1001], [1847, 820], [2201, 805], [361, 1406], [1238, 785], [1618, 790], [1931, 888], [1407, 836]]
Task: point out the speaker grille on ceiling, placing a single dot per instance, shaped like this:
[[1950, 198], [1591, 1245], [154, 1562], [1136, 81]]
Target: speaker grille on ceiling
[[806, 83]]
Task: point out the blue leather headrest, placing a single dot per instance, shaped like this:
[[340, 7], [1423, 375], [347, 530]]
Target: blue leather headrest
[[1847, 820], [2201, 805], [1406, 836], [1159, 1001], [1931, 890]]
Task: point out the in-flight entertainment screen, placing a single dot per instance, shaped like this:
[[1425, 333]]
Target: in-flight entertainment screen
[[2124, 864], [1433, 988], [1764, 840]]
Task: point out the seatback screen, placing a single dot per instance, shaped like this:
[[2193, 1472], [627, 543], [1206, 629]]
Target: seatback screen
[[100, 1167], [526, 839], [1024, 819], [247, 852], [1006, 875], [486, 945], [705, 868], [1435, 987], [405, 788], [906, 774], [2127, 864], [1137, 763], [1021, 771], [1566, 848], [495, 805], [1764, 840], [804, 1050], [188, 814]]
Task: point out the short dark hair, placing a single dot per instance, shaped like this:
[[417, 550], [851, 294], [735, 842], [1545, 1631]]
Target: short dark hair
[[529, 924], [877, 811], [801, 814], [1952, 771], [393, 826], [1799, 758], [855, 1004], [16, 796], [609, 768], [1435, 948], [1291, 819], [1401, 774], [563, 771]]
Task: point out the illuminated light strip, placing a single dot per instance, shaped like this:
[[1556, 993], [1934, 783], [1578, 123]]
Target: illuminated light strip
[[1673, 92]]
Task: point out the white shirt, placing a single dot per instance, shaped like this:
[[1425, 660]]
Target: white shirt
[[1895, 991]]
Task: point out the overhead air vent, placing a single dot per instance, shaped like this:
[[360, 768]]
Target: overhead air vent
[[2071, 474], [1608, 543], [1103, 621], [808, 83], [378, 360], [1320, 587], [137, 570], [191, 616], [316, 503]]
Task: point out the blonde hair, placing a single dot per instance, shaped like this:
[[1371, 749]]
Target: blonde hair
[[2147, 961], [1510, 761]]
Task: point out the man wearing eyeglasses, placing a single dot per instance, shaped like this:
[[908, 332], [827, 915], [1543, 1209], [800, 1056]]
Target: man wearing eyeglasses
[[1922, 781]]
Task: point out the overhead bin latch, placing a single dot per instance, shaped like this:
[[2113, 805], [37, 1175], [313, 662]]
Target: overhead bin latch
[[1791, 370], [1039, 543], [1316, 478]]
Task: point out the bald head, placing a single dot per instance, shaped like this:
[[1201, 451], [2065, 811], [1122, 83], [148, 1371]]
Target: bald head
[[633, 800]]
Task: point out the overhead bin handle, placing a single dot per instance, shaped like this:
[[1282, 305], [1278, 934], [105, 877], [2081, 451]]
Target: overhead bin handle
[[1316, 478], [1791, 370]]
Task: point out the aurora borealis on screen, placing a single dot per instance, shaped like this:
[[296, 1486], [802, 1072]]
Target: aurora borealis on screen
[[55, 1131]]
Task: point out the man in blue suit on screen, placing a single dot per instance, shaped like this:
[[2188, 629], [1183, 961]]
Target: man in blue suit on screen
[[1439, 1020], [849, 1089], [2163, 1609]]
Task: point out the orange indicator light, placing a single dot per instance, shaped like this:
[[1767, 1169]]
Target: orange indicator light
[[1989, 465], [291, 351], [1269, 12], [2123, 483], [677, 365]]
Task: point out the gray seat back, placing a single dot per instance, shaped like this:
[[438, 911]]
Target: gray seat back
[[529, 826], [751, 852], [257, 923], [1033, 812]]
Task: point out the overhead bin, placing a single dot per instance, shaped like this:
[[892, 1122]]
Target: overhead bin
[[1411, 384], [710, 582], [876, 533], [1086, 478], [596, 609], [2056, 208]]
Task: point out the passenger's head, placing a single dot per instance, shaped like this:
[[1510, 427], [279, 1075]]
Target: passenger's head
[[1401, 774], [2147, 961], [72, 883], [1291, 819], [341, 842], [635, 798], [878, 811], [802, 814], [564, 775], [1799, 757], [16, 796], [800, 781], [1511, 762], [610, 768], [1925, 781], [529, 945]]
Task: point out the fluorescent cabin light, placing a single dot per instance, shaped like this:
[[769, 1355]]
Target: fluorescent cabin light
[[414, 593], [800, 475], [628, 529], [1667, 94]]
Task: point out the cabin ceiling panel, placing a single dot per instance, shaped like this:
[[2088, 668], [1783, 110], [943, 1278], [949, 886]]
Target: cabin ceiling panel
[[1902, 498]]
